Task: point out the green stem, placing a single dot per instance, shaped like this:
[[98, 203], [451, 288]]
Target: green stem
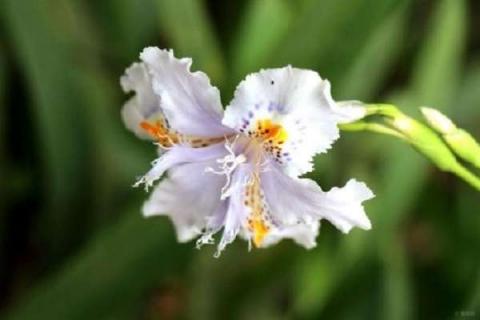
[[452, 165], [467, 176], [373, 127], [387, 110]]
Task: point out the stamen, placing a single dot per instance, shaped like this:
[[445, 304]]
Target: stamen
[[152, 175], [206, 238], [227, 165]]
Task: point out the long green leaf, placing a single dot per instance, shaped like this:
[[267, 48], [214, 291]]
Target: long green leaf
[[373, 63], [46, 62], [118, 267], [263, 27], [3, 151], [129, 27], [187, 28], [328, 34]]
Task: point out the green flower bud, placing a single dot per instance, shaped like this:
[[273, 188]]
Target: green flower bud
[[459, 140], [438, 120], [425, 141]]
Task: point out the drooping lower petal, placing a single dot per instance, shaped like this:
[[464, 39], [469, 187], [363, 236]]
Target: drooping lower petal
[[303, 233], [291, 200], [189, 196], [294, 200], [343, 206]]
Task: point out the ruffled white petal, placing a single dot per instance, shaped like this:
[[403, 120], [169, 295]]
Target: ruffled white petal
[[190, 103], [294, 200], [297, 100], [188, 196], [304, 234], [144, 105], [343, 206]]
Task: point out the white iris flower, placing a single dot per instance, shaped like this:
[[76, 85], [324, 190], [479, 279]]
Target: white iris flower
[[239, 170]]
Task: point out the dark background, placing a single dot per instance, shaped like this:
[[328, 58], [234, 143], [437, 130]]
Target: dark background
[[73, 244]]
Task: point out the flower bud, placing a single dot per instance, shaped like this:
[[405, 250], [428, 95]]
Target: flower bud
[[425, 141], [459, 140], [438, 120]]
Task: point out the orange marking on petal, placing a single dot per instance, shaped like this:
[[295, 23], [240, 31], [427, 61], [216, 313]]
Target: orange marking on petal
[[152, 129], [260, 230], [271, 131], [257, 220], [166, 137], [158, 131]]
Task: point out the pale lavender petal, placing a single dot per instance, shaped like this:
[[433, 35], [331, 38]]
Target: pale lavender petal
[[189, 196], [190, 103], [291, 200], [294, 200], [180, 154], [303, 233], [144, 105], [297, 103], [343, 206]]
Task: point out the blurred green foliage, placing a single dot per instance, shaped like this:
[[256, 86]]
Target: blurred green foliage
[[73, 244]]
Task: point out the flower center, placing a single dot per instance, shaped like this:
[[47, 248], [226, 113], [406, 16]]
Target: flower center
[[267, 137], [270, 134]]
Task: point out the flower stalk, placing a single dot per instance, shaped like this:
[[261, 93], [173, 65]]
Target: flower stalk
[[440, 149]]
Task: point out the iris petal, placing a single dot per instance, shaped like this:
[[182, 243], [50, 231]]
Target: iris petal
[[298, 101], [188, 196], [180, 154], [190, 103]]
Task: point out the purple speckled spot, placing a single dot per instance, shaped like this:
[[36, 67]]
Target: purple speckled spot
[[257, 106], [285, 154], [250, 114]]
